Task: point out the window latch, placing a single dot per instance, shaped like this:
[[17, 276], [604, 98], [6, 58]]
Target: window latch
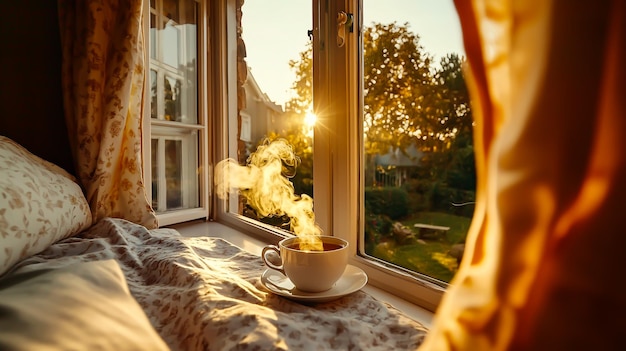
[[343, 20]]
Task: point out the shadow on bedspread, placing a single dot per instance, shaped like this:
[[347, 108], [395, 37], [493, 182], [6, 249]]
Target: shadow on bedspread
[[203, 293]]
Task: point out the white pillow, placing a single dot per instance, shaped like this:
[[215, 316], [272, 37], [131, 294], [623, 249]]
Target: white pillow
[[40, 203], [83, 306]]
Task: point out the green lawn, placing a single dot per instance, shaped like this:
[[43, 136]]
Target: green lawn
[[458, 225], [428, 256]]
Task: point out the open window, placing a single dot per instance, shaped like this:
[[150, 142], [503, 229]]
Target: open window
[[177, 126]]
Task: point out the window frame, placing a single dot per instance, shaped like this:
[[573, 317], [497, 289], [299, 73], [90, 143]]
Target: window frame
[[340, 111], [159, 126], [189, 150]]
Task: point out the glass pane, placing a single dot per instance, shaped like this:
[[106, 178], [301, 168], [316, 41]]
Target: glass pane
[[153, 37], [174, 52], [171, 39], [274, 103], [154, 151], [154, 106], [175, 171], [173, 174], [188, 68], [419, 160], [171, 99]]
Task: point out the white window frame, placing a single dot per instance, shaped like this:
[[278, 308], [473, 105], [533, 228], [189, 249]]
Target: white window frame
[[189, 149], [340, 152], [160, 128]]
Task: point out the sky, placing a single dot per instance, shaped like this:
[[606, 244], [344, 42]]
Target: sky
[[275, 31]]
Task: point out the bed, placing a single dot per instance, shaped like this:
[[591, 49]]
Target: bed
[[67, 282]]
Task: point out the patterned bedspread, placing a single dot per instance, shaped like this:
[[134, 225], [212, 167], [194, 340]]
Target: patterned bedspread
[[203, 293]]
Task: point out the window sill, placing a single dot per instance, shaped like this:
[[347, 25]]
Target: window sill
[[254, 246]]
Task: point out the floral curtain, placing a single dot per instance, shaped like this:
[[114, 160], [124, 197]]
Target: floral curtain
[[542, 269], [103, 82]]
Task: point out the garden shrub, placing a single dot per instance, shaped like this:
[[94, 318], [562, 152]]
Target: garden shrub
[[435, 195], [393, 202]]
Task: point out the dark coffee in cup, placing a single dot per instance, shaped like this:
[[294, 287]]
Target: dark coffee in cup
[[327, 246]]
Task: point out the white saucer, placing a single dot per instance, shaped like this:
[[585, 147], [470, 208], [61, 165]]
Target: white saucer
[[353, 279]]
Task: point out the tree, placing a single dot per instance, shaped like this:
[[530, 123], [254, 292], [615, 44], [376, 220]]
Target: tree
[[448, 114], [302, 99], [396, 80]]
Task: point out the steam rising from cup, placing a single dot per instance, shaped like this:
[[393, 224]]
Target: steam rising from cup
[[264, 183]]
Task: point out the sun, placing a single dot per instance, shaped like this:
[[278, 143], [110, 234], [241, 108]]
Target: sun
[[309, 119]]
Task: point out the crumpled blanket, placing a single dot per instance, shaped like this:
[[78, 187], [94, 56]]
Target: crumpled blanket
[[204, 293]]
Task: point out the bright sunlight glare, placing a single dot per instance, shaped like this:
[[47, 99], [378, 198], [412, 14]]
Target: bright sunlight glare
[[309, 119]]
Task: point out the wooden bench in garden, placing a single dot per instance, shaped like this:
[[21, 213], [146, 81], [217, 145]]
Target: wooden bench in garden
[[429, 231]]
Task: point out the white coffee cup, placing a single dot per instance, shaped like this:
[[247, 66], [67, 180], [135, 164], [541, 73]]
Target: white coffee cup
[[310, 271]]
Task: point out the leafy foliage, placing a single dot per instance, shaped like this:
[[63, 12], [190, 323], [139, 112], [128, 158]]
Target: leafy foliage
[[302, 88], [407, 99], [396, 81], [392, 202]]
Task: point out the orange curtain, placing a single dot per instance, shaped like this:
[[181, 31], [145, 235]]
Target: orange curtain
[[103, 83], [543, 264]]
